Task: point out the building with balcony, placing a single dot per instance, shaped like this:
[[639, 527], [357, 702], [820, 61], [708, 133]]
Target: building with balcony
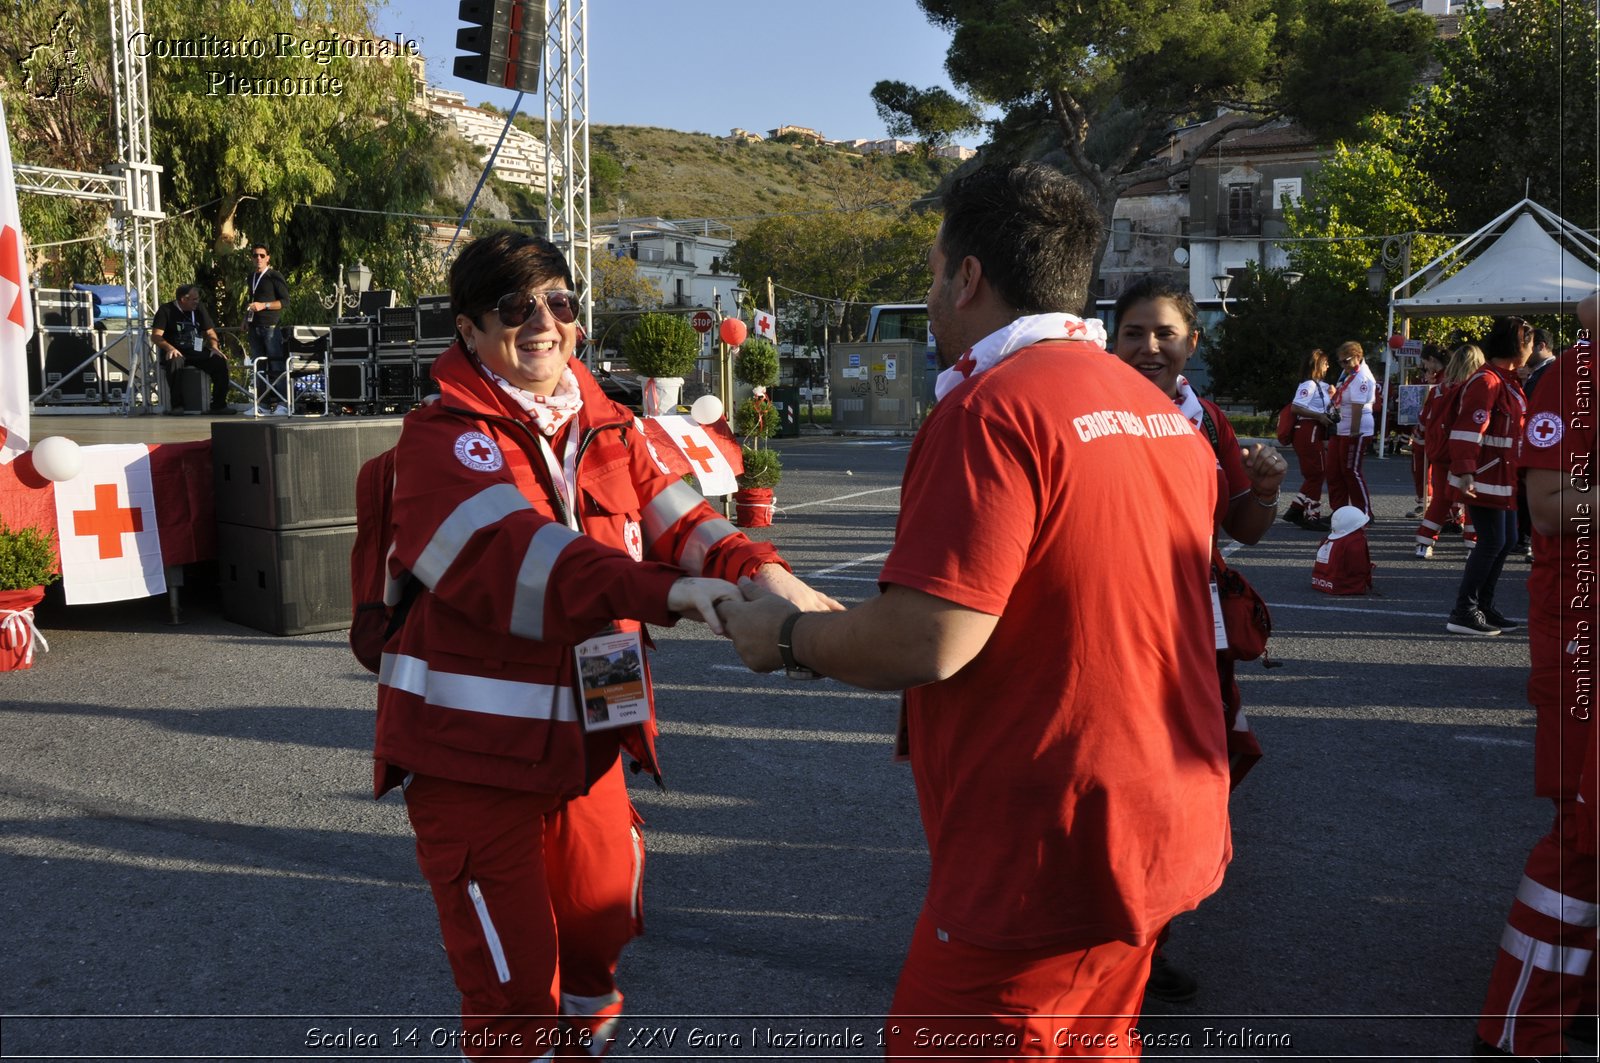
[[522, 156], [684, 259], [800, 131]]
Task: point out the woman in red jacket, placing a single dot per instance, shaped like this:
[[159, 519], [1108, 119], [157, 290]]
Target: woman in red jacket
[[1434, 421], [1483, 467]]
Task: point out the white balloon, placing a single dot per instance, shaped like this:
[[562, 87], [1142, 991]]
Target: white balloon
[[706, 409], [57, 458]]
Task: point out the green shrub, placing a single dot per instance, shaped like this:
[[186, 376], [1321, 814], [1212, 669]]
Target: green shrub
[[756, 419], [756, 363], [662, 345], [26, 559], [761, 468], [1259, 425]]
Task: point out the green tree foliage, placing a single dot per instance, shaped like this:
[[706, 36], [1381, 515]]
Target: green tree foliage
[[621, 295], [933, 117], [662, 345], [1256, 355], [1516, 113], [756, 363], [1099, 86], [870, 246]]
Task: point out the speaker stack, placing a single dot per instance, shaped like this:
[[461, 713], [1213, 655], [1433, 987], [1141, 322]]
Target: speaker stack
[[65, 351], [286, 503], [383, 365]]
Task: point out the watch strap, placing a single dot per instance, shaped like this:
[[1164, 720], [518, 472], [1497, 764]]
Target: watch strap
[[791, 667]]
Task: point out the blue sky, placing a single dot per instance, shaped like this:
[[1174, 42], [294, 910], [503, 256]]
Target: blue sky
[[709, 65]]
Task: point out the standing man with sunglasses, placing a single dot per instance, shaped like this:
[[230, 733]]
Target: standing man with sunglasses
[[268, 295], [543, 535]]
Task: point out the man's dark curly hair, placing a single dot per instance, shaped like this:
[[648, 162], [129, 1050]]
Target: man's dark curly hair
[[1033, 229]]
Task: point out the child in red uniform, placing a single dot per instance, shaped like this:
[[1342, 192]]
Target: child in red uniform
[[1343, 564]]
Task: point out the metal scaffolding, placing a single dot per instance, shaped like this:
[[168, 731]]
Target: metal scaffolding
[[566, 134], [134, 184]]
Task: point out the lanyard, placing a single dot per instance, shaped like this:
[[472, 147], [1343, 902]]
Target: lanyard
[[564, 473], [255, 282]]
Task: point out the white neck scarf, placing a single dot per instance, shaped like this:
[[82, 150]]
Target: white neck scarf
[[1024, 331], [549, 414], [1188, 403]]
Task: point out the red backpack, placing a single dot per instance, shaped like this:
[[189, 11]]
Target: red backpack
[[373, 619]]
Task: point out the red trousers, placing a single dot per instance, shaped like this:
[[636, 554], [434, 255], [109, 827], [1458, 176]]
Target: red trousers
[[537, 895], [1544, 975], [971, 1003], [1444, 499], [1311, 448], [1346, 484]]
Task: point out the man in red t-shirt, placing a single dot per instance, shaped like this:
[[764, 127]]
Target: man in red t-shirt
[[1544, 975], [1046, 609]]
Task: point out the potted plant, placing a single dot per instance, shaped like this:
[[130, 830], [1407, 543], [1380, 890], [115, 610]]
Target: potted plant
[[753, 499], [661, 349], [756, 419], [27, 563]]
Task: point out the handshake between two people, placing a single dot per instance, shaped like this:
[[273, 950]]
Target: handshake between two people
[[750, 612]]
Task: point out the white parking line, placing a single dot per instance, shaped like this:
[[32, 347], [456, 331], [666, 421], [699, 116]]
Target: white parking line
[[836, 498], [1493, 741], [847, 564], [1437, 615]]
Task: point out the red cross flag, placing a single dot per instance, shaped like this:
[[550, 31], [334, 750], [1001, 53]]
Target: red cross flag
[[765, 326], [707, 447], [106, 520], [16, 318]]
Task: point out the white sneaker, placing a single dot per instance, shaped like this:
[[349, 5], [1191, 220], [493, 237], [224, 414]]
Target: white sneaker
[[280, 410], [1424, 551]]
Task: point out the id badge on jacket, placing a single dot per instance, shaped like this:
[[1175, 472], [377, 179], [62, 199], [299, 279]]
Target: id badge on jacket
[[612, 682]]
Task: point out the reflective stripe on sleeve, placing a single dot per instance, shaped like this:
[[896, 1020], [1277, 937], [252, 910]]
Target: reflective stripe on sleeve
[[677, 501], [1501, 442], [1559, 906], [1466, 437], [481, 510], [527, 602], [693, 558], [476, 693], [1503, 490], [1558, 959]]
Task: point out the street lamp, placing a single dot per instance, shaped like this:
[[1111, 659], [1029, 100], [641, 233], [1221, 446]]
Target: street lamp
[[1222, 282], [347, 295]]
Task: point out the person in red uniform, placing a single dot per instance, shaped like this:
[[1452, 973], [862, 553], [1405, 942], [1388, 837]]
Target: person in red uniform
[[1435, 420], [1483, 467], [1354, 396], [1545, 974], [1313, 406], [1431, 367], [527, 507], [1045, 608]]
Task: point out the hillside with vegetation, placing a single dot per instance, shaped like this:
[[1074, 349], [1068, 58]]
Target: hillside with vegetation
[[640, 171]]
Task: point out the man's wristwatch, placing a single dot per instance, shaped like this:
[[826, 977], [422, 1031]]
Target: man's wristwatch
[[792, 669]]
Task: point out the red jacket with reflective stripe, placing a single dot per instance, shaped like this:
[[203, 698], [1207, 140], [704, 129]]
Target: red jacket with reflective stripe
[[480, 683], [1483, 436]]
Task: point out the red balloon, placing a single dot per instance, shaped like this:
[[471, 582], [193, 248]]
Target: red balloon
[[1396, 342], [733, 331]]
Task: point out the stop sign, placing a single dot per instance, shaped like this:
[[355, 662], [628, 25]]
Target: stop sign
[[702, 321]]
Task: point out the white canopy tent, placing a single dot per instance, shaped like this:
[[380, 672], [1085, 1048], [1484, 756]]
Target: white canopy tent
[[1539, 263]]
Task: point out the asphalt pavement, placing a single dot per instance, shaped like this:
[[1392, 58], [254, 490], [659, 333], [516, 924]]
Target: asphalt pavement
[[193, 866]]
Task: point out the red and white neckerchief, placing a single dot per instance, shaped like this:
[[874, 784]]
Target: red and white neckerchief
[[548, 413], [1024, 331], [1188, 403]]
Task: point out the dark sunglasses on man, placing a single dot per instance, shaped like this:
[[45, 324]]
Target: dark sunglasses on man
[[516, 307]]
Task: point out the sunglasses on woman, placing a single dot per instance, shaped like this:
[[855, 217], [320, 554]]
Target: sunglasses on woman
[[516, 307]]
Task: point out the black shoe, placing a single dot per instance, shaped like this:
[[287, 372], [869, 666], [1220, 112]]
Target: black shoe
[[1168, 983], [1294, 515], [1504, 623], [1470, 622], [1321, 524]]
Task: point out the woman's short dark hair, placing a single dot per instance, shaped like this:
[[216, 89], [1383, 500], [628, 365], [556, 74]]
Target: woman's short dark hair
[[1032, 228], [1504, 338], [1158, 286], [500, 263]]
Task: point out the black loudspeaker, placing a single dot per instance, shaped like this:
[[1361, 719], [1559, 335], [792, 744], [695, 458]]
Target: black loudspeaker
[[63, 308], [373, 301], [285, 582], [434, 319], [348, 384], [352, 342], [70, 358], [397, 324], [194, 387], [294, 474]]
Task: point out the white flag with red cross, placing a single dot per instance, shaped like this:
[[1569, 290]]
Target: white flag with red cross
[[766, 326], [707, 449], [16, 316], [106, 522]]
